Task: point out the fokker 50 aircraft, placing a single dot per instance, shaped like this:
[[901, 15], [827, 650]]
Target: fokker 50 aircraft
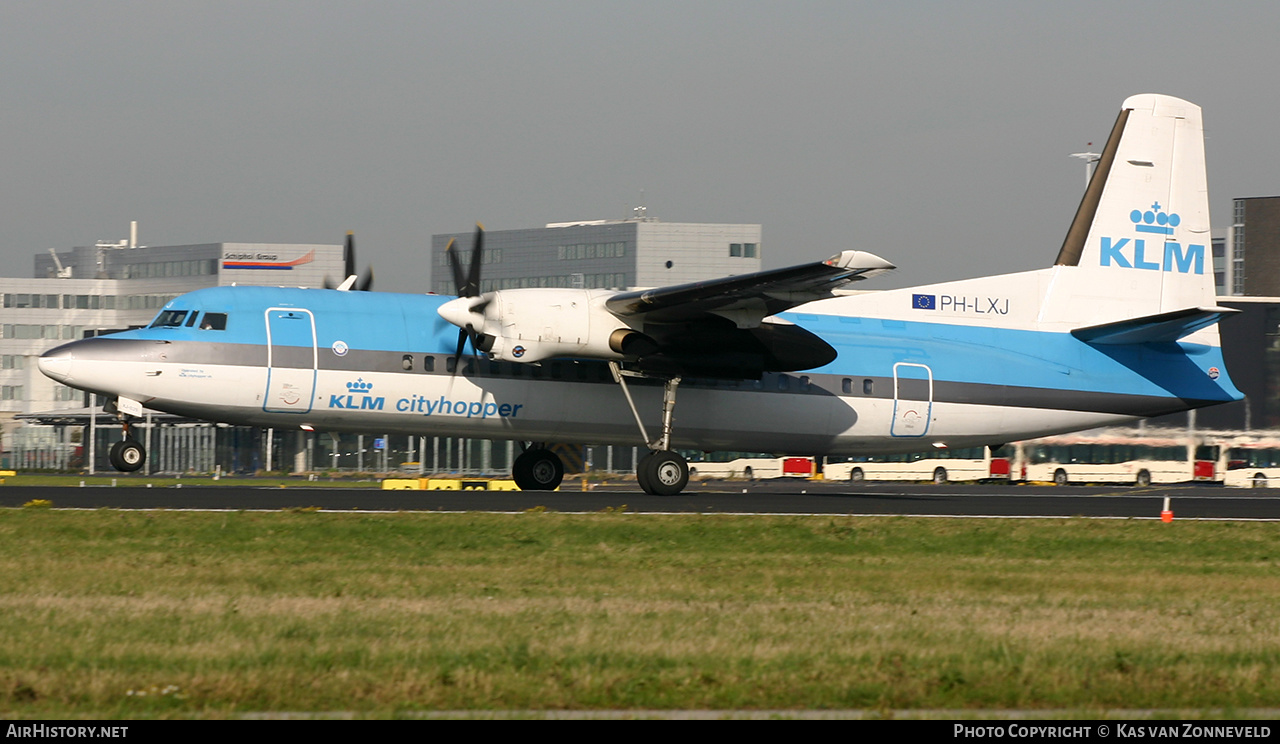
[[1122, 326]]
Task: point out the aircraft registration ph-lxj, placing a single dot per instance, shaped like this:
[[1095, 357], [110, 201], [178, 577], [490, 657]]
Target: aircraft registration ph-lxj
[[1121, 326]]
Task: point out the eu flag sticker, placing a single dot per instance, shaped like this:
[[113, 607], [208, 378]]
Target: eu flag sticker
[[924, 302]]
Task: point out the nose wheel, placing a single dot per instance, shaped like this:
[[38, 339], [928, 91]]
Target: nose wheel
[[127, 455]]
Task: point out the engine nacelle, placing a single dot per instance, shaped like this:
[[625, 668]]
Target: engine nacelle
[[529, 325]]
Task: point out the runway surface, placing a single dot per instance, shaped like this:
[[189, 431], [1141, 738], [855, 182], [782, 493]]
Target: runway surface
[[761, 497]]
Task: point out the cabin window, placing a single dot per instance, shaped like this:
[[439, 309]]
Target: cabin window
[[406, 362], [169, 319], [784, 382], [846, 386], [214, 322], [804, 383], [868, 387], [428, 363], [451, 365]]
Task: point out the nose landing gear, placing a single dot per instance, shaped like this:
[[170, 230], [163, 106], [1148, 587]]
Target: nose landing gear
[[127, 455]]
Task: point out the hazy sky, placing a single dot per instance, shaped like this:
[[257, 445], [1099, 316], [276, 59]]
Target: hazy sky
[[934, 134]]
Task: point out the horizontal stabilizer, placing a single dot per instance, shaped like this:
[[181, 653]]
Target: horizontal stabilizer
[[1162, 328]]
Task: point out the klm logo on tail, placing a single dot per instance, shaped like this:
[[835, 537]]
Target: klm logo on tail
[[1133, 253]]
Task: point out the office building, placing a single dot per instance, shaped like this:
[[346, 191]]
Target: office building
[[608, 254], [1253, 265]]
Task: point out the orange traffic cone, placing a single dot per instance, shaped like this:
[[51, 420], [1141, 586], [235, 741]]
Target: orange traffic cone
[[1167, 514]]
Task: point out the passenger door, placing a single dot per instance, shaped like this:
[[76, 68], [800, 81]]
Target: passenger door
[[291, 360], [912, 400]]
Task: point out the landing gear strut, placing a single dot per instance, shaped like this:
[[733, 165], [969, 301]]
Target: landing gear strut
[[538, 469], [661, 472]]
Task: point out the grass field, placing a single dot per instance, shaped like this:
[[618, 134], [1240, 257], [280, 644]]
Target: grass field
[[127, 614]]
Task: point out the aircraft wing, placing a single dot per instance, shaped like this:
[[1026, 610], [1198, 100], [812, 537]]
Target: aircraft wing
[[748, 299]]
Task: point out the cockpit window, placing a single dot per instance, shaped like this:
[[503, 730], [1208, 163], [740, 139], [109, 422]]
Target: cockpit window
[[192, 320], [214, 322], [169, 319]]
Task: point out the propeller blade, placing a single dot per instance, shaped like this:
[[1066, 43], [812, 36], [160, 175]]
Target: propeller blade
[[468, 285], [477, 257], [349, 279], [462, 346], [349, 255], [465, 334], [458, 281]]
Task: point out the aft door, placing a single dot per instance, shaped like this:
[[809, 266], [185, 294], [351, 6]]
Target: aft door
[[291, 360], [912, 400]]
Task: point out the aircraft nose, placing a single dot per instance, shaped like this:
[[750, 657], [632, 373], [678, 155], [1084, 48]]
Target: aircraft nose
[[56, 363]]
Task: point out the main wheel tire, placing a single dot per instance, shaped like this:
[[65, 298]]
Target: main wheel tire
[[538, 470], [127, 456], [1060, 477], [664, 474], [939, 475], [857, 476], [642, 473]]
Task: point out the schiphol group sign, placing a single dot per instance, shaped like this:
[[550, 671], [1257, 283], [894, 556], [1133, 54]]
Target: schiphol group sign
[[266, 260]]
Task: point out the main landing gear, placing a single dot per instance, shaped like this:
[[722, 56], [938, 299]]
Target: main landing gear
[[538, 469], [661, 472]]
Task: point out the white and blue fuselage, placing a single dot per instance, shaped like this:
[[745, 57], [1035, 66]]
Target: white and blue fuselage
[[927, 376]]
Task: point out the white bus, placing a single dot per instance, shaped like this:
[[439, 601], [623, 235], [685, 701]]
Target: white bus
[[730, 465], [1249, 460], [938, 466], [1136, 456]]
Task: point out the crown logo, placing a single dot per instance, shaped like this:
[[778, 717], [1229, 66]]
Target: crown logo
[[1154, 221], [359, 386]]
